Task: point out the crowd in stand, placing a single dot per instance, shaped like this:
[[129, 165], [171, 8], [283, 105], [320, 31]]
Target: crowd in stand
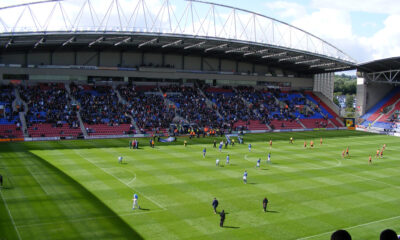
[[154, 108], [100, 105], [191, 106], [272, 104], [231, 106], [6, 98], [147, 108], [48, 103]]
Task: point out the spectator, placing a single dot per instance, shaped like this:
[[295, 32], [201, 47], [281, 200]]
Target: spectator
[[388, 234], [340, 235]]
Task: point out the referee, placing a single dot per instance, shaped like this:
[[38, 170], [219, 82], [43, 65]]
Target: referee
[[265, 203], [215, 205]]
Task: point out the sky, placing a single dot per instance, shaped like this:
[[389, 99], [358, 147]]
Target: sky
[[364, 29]]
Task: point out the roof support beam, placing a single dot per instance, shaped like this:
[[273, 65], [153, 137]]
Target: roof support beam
[[385, 76], [96, 41], [42, 40], [308, 61], [322, 65], [237, 49], [172, 43], [275, 55], [291, 58], [256, 52], [337, 68], [11, 41], [148, 42], [68, 41], [195, 45], [216, 47], [123, 41]]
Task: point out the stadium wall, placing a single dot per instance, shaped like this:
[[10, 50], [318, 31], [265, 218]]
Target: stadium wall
[[324, 83], [374, 92], [73, 65], [81, 75], [108, 58]]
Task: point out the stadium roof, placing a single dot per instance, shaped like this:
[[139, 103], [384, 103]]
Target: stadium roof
[[380, 65], [201, 27]]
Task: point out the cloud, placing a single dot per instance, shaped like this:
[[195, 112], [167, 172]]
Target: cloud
[[287, 9], [331, 21], [371, 6], [386, 42], [326, 23]]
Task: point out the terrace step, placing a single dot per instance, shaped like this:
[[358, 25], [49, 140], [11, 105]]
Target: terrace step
[[209, 103], [22, 114], [81, 125], [120, 98]]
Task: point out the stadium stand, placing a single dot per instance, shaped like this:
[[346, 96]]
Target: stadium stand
[[192, 107], [146, 106], [10, 126], [50, 112], [385, 114], [149, 109], [100, 110]]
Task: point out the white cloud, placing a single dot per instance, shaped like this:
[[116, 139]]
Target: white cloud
[[331, 21], [287, 9], [386, 42], [326, 23], [371, 6]]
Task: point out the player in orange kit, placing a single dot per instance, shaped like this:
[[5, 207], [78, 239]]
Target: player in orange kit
[[370, 160]]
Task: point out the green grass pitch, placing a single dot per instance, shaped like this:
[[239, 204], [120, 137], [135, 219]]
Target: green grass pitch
[[77, 189]]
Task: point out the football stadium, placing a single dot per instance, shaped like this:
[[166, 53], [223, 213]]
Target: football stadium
[[173, 119]]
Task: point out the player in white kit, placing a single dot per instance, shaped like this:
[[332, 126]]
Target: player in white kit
[[135, 202]]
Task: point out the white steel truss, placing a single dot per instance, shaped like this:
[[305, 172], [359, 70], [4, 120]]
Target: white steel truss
[[190, 18], [390, 76]]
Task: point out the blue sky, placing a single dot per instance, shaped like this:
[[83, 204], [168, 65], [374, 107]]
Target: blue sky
[[365, 29]]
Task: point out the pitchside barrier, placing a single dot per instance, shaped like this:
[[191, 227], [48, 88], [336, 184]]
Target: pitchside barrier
[[148, 135], [378, 131]]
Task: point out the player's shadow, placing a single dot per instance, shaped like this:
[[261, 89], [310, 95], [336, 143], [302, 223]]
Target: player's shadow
[[124, 163], [231, 227], [264, 169], [252, 183], [145, 209], [272, 211]]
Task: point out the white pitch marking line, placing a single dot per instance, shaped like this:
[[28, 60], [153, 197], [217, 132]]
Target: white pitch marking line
[[9, 213], [159, 205], [356, 226], [131, 181], [33, 175]]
